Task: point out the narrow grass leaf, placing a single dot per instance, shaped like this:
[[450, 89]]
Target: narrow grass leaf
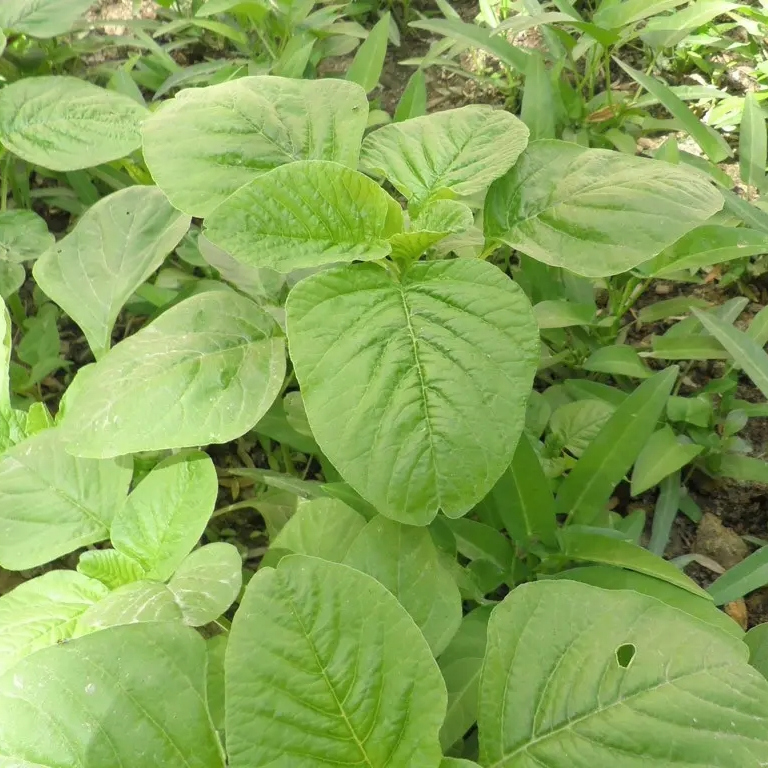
[[712, 143], [746, 353], [365, 69], [587, 488], [753, 143], [743, 578]]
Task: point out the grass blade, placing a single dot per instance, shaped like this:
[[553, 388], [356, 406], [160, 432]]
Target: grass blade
[[586, 490], [712, 143], [366, 67], [745, 577], [747, 354], [753, 143]]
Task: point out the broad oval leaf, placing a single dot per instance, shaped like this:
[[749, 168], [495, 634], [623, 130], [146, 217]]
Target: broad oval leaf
[[208, 142], [113, 249], [130, 695], [207, 582], [166, 513], [572, 207], [41, 18], [338, 658], [110, 567], [37, 115], [204, 372], [456, 152], [415, 388], [405, 560], [323, 528], [461, 664], [306, 214], [708, 245], [43, 611], [53, 502], [23, 236], [437, 220], [662, 455], [575, 425], [140, 601], [615, 678]]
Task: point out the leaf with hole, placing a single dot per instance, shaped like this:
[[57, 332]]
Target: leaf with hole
[[640, 678]]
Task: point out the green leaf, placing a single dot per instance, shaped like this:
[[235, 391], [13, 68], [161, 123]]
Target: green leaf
[[217, 647], [523, 499], [563, 314], [53, 502], [609, 577], [332, 651], [405, 560], [323, 528], [23, 236], [680, 305], [110, 567], [456, 762], [747, 469], [662, 455], [413, 102], [306, 214], [12, 277], [668, 31], [692, 410], [437, 220], [572, 207], [264, 285], [473, 36], [689, 347], [41, 18], [665, 512], [753, 143], [614, 678], [126, 696], [757, 642], [461, 663], [575, 425], [415, 388], [747, 354], [42, 612], [207, 582], [619, 360], [536, 110], [37, 115], [166, 514], [580, 544], [206, 143], [138, 602], [589, 485], [365, 69], [456, 152], [204, 372], [743, 578], [113, 249], [711, 142], [707, 246]]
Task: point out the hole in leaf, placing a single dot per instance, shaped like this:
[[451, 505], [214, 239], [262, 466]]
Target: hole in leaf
[[624, 655]]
